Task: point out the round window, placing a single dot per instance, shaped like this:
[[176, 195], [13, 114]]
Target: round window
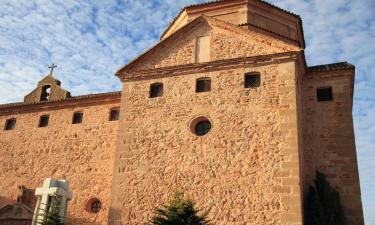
[[200, 126], [94, 205]]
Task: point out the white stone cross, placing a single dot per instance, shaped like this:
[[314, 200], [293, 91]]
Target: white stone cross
[[51, 188]]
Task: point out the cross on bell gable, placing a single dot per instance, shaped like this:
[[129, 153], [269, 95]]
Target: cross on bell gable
[[52, 66]]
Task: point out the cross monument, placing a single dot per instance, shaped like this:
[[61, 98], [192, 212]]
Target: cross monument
[[51, 189]]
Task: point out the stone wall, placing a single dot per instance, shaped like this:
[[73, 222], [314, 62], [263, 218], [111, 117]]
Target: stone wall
[[329, 144], [245, 170], [226, 42], [80, 153]]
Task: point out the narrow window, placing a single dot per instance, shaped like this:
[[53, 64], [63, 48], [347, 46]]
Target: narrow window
[[114, 114], [46, 90], [43, 121], [10, 124], [252, 80], [202, 49], [156, 90], [203, 85], [77, 117], [324, 94]]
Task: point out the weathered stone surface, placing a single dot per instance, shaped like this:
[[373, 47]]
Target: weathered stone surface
[[226, 42], [56, 92], [254, 165], [80, 153], [234, 169], [329, 138]]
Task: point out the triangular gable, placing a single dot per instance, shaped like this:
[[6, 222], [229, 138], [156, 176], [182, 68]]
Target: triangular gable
[[17, 211], [57, 93], [228, 41]]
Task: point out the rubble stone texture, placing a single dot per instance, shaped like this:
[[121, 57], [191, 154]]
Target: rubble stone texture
[[255, 164]]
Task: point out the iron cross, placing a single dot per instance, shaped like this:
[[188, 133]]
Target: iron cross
[[52, 66]]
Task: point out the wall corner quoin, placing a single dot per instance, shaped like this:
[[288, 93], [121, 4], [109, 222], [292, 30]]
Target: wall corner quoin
[[289, 73]]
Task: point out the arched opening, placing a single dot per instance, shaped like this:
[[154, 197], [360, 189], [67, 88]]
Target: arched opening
[[46, 91]]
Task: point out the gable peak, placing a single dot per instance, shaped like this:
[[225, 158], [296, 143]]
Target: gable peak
[[255, 13]]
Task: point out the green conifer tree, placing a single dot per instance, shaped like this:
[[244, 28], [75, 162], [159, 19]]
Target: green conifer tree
[[179, 211], [323, 206], [52, 216]]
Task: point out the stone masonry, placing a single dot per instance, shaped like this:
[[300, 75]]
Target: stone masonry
[[80, 153], [254, 165]]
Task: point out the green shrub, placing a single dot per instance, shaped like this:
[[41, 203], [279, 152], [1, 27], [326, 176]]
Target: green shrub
[[179, 211], [52, 216]]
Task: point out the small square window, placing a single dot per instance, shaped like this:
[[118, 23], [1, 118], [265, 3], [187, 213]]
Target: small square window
[[114, 115], [203, 85], [156, 90], [43, 121], [252, 80], [77, 117], [324, 94], [10, 124]]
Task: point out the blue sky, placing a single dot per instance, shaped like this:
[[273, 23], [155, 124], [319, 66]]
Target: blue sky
[[90, 40]]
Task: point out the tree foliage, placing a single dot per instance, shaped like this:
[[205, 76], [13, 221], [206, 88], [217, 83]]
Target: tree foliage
[[179, 211], [323, 206], [52, 215]]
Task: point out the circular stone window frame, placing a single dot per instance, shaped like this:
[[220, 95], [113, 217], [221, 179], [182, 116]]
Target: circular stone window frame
[[197, 119], [90, 202]]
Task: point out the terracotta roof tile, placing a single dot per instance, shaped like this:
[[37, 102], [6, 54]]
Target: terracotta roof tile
[[330, 67]]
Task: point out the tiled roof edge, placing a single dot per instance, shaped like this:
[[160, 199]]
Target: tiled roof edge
[[79, 97], [269, 31], [331, 67]]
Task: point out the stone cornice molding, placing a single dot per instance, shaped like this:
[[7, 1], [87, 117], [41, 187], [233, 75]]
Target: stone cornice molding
[[208, 66], [85, 100]]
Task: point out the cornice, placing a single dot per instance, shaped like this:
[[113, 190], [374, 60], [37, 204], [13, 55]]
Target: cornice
[[209, 66], [78, 101]]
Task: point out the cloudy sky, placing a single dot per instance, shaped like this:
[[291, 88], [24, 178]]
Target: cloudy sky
[[90, 40]]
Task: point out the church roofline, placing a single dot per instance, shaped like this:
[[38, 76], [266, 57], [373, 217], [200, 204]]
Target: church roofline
[[274, 34], [221, 1], [331, 67], [72, 101], [199, 19]]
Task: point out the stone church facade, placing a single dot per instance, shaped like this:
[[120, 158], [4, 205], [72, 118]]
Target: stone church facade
[[224, 107]]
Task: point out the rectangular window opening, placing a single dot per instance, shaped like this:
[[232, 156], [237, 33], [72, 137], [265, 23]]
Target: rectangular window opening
[[324, 94], [10, 124], [77, 118], [252, 80], [114, 114], [156, 90], [203, 85], [43, 121]]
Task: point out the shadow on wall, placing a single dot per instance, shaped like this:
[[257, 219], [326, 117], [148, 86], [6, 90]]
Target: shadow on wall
[[114, 216], [81, 221], [5, 201]]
